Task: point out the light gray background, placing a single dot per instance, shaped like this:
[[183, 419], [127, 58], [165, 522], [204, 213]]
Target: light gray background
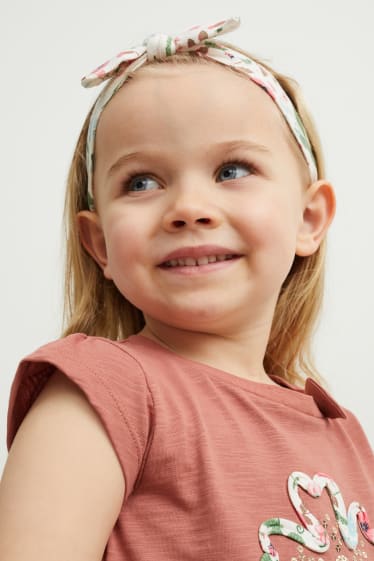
[[46, 46]]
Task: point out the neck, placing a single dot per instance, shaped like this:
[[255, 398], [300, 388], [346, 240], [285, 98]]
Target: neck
[[239, 354]]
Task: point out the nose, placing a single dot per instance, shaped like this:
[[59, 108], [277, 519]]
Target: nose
[[189, 210]]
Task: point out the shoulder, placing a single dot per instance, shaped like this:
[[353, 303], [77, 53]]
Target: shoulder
[[356, 434], [79, 347], [104, 374], [85, 359], [61, 440]]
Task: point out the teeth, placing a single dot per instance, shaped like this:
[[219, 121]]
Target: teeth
[[191, 262]]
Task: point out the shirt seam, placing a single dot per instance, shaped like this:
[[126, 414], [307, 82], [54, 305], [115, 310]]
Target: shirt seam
[[143, 459]]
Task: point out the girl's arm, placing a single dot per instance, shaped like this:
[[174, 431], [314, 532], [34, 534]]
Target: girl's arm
[[62, 487]]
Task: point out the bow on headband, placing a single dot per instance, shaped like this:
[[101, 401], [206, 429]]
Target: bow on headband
[[196, 39], [159, 46]]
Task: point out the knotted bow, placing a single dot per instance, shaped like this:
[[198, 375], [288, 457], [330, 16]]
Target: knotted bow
[[159, 46], [198, 40]]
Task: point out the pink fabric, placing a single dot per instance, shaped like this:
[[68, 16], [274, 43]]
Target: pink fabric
[[207, 455]]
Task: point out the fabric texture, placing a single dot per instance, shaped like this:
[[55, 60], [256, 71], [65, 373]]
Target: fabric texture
[[217, 467], [196, 39]]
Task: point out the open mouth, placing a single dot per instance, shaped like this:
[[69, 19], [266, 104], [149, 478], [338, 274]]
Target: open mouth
[[192, 262]]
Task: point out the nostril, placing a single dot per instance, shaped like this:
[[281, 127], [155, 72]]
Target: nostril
[[178, 223], [181, 223]]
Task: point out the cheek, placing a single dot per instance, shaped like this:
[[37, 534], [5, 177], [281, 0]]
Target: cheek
[[270, 221], [124, 245], [270, 228]]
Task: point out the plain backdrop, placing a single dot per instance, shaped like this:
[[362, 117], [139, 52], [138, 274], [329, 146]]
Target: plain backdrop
[[46, 46]]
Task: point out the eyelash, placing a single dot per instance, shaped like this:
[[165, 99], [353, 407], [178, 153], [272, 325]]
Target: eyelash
[[251, 167], [142, 174]]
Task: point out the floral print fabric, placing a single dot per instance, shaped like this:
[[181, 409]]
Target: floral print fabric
[[311, 533]]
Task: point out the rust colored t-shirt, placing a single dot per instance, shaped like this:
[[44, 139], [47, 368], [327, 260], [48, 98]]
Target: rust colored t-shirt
[[217, 467]]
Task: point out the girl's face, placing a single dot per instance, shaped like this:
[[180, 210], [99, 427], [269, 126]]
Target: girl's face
[[199, 190]]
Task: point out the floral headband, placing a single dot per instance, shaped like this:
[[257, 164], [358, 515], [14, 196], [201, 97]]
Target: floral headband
[[197, 40]]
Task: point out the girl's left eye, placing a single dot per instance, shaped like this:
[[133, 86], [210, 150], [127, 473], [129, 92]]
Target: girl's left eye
[[141, 183], [235, 170]]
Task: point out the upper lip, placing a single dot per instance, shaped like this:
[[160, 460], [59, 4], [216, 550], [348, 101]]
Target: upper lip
[[198, 251]]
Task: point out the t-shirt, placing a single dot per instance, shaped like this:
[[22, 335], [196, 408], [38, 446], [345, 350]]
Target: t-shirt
[[217, 467]]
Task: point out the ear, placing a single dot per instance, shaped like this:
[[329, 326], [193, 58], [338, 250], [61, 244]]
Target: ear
[[92, 238], [319, 211]]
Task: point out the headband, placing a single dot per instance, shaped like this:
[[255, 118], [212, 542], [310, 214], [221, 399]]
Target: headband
[[197, 40]]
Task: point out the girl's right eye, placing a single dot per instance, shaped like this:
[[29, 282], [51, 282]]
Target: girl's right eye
[[140, 183]]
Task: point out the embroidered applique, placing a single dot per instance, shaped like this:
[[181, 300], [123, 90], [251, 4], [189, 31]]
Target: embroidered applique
[[311, 533], [359, 554]]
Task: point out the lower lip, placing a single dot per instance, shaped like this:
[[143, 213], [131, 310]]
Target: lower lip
[[200, 269]]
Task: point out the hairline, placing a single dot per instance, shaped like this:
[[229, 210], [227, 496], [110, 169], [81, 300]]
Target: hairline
[[191, 59]]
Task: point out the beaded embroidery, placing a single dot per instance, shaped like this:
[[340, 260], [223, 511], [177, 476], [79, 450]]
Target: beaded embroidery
[[313, 534]]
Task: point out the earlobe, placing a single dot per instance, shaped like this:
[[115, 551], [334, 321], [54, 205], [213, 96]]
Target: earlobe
[[319, 211], [92, 238]]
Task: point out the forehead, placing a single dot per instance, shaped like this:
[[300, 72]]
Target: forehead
[[189, 106]]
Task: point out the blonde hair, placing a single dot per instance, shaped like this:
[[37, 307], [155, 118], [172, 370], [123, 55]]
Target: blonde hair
[[94, 306]]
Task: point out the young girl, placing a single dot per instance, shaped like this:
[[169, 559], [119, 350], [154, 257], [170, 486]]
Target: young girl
[[181, 417]]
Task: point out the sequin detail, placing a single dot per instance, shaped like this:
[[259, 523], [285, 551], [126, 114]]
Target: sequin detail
[[341, 552]]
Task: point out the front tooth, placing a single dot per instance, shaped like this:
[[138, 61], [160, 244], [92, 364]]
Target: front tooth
[[212, 259], [202, 261], [181, 262], [221, 257], [189, 261]]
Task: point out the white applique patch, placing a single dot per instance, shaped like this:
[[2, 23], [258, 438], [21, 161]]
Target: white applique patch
[[312, 534]]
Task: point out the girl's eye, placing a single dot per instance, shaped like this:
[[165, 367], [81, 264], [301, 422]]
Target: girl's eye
[[139, 183], [235, 170]]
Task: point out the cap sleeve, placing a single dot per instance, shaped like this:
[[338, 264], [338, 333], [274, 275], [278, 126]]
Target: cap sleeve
[[113, 382]]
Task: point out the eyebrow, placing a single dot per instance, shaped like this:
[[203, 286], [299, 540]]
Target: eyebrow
[[229, 146], [247, 144]]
